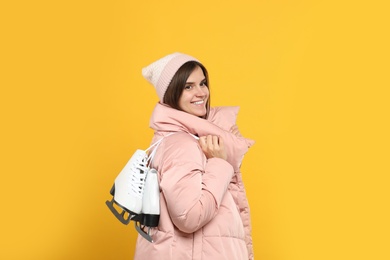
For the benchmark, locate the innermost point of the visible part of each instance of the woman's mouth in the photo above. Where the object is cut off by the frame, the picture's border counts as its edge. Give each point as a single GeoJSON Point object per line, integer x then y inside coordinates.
{"type": "Point", "coordinates": [198, 102]}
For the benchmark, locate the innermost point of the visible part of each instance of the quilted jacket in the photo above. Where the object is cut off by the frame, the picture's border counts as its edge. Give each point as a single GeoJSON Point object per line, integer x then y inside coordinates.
{"type": "Point", "coordinates": [204, 212]}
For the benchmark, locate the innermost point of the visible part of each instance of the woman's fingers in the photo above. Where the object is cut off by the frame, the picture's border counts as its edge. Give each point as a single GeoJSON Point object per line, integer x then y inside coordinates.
{"type": "Point", "coordinates": [203, 141]}
{"type": "Point", "coordinates": [212, 146]}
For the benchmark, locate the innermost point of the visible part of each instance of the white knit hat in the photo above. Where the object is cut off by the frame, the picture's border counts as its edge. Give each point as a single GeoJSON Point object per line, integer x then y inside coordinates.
{"type": "Point", "coordinates": [161, 72]}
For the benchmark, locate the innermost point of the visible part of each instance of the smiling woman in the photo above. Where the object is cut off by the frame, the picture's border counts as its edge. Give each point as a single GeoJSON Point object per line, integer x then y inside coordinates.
{"type": "Point", "coordinates": [192, 77]}
{"type": "Point", "coordinates": [204, 212]}
{"type": "Point", "coordinates": [194, 97]}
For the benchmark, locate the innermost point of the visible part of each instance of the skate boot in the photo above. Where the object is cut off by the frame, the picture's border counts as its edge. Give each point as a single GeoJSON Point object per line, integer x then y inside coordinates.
{"type": "Point", "coordinates": [128, 188]}
{"type": "Point", "coordinates": [150, 206]}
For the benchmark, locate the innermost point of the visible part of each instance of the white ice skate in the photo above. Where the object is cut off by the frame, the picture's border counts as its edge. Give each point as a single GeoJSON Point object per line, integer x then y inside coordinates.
{"type": "Point", "coordinates": [136, 193]}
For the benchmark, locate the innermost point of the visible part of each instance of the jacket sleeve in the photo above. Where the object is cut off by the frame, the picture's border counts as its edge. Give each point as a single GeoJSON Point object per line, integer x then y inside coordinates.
{"type": "Point", "coordinates": [193, 187]}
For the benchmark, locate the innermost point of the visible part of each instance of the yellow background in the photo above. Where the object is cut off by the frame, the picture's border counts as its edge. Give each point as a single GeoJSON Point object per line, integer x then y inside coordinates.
{"type": "Point", "coordinates": [312, 81]}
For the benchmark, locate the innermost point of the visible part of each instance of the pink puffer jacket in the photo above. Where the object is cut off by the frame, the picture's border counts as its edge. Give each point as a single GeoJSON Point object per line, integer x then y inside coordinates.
{"type": "Point", "coordinates": [204, 212]}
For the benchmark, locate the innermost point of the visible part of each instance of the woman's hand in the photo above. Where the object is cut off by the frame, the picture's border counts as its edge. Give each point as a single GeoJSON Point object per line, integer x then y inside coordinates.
{"type": "Point", "coordinates": [213, 147]}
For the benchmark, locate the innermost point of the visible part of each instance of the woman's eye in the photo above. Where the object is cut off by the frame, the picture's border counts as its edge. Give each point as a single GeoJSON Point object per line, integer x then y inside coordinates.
{"type": "Point", "coordinates": [203, 84]}
{"type": "Point", "coordinates": [188, 87]}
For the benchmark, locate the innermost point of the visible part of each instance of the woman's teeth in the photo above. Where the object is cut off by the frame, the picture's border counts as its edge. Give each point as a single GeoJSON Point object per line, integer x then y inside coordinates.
{"type": "Point", "coordinates": [198, 102]}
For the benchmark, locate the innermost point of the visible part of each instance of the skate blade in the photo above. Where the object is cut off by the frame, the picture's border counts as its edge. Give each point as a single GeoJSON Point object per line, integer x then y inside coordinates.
{"type": "Point", "coordinates": [143, 233]}
{"type": "Point", "coordinates": [124, 217]}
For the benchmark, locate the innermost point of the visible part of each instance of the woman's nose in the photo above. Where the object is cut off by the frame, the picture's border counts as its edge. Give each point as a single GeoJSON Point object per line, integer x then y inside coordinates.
{"type": "Point", "coordinates": [200, 91]}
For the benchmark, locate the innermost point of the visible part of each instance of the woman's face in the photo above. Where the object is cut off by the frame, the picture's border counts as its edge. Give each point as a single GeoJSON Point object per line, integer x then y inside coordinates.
{"type": "Point", "coordinates": [193, 100]}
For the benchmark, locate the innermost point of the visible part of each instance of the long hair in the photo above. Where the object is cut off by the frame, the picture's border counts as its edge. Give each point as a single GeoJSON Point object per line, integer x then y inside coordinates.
{"type": "Point", "coordinates": [178, 82]}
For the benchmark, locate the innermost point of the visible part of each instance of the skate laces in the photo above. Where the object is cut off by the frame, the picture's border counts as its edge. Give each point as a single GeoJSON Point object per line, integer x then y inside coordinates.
{"type": "Point", "coordinates": [137, 177]}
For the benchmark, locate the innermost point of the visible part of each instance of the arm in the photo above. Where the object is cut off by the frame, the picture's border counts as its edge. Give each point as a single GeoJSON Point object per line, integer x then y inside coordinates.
{"type": "Point", "coordinates": [193, 187]}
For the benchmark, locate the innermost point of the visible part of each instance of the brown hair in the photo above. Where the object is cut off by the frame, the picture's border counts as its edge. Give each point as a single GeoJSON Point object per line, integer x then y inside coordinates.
{"type": "Point", "coordinates": [178, 82]}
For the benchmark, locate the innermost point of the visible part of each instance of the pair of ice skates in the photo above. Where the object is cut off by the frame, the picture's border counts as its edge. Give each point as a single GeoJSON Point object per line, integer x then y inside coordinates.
{"type": "Point", "coordinates": [137, 194]}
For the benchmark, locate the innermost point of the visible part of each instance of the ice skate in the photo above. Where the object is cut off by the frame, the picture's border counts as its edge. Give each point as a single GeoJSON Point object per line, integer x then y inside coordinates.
{"type": "Point", "coordinates": [136, 193]}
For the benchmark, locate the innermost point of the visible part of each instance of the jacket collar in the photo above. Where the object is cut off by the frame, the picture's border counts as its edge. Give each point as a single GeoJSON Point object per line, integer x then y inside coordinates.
{"type": "Point", "coordinates": [220, 120]}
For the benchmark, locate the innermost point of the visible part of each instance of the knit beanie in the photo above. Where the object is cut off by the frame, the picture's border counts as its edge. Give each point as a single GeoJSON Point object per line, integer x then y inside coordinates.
{"type": "Point", "coordinates": [161, 72]}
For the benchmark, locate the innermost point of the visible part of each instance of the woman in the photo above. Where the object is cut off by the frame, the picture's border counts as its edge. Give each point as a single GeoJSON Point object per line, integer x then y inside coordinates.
{"type": "Point", "coordinates": [204, 213]}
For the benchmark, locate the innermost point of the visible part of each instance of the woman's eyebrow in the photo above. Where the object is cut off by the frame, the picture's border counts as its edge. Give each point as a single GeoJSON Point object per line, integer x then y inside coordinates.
{"type": "Point", "coordinates": [194, 82]}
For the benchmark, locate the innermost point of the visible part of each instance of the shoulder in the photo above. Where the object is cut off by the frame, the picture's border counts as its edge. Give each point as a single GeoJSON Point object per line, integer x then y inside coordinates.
{"type": "Point", "coordinates": [180, 146]}
{"type": "Point", "coordinates": [179, 149]}
{"type": "Point", "coordinates": [182, 136]}
{"type": "Point", "coordinates": [180, 140]}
